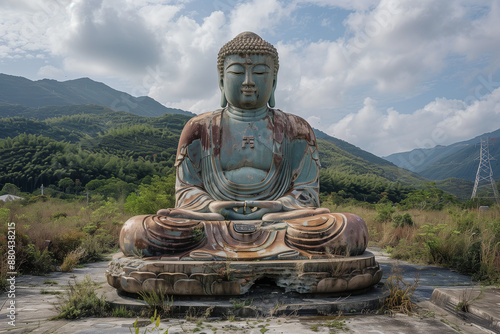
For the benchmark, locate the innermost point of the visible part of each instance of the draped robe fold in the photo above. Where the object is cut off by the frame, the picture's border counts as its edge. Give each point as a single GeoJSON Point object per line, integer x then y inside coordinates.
{"type": "Point", "coordinates": [293, 178]}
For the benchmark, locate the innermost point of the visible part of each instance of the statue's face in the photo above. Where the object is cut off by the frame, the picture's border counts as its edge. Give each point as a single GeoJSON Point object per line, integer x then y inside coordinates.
{"type": "Point", "coordinates": [248, 81]}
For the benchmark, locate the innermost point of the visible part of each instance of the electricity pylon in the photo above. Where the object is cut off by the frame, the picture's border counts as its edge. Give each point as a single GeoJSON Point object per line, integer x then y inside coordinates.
{"type": "Point", "coordinates": [484, 171]}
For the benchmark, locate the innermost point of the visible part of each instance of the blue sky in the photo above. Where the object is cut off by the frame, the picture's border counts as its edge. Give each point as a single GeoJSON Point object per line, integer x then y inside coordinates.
{"type": "Point", "coordinates": [387, 76]}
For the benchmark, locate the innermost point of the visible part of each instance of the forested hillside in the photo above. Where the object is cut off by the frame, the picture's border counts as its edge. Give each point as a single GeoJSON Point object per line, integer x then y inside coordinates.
{"type": "Point", "coordinates": [70, 149]}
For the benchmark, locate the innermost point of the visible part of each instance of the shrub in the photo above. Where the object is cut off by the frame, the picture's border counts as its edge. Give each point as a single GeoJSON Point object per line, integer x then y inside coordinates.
{"type": "Point", "coordinates": [463, 219]}
{"type": "Point", "coordinates": [160, 194]}
{"type": "Point", "coordinates": [38, 261]}
{"type": "Point", "coordinates": [409, 251]}
{"type": "Point", "coordinates": [94, 249]}
{"type": "Point", "coordinates": [4, 216]}
{"type": "Point", "coordinates": [468, 258]}
{"type": "Point", "coordinates": [430, 198]}
{"type": "Point", "coordinates": [58, 215]}
{"type": "Point", "coordinates": [384, 212]}
{"type": "Point", "coordinates": [72, 259]}
{"type": "Point", "coordinates": [123, 312]}
{"type": "Point", "coordinates": [11, 189]}
{"type": "Point", "coordinates": [29, 258]}
{"type": "Point", "coordinates": [81, 301]}
{"type": "Point", "coordinates": [65, 243]}
{"type": "Point", "coordinates": [430, 237]}
{"type": "Point", "coordinates": [90, 228]}
{"type": "Point", "coordinates": [402, 220]}
{"type": "Point", "coordinates": [38, 198]}
{"type": "Point", "coordinates": [107, 211]}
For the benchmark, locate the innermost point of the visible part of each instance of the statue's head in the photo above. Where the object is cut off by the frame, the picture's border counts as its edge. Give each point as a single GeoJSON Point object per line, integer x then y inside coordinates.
{"type": "Point", "coordinates": [248, 68]}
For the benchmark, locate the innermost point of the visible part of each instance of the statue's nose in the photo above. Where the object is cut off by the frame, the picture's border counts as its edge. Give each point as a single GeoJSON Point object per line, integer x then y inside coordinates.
{"type": "Point", "coordinates": [248, 79]}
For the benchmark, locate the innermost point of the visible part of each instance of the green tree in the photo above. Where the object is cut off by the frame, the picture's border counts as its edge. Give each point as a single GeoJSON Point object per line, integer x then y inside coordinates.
{"type": "Point", "coordinates": [430, 198]}
{"type": "Point", "coordinates": [11, 189]}
{"type": "Point", "coordinates": [66, 184]}
{"type": "Point", "coordinates": [160, 194]}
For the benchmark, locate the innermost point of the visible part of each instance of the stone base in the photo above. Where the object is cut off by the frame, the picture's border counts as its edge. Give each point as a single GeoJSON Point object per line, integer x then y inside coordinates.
{"type": "Point", "coordinates": [263, 300]}
{"type": "Point", "coordinates": [342, 275]}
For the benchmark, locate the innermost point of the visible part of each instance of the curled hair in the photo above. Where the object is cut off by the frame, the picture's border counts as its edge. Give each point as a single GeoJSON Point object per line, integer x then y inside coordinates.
{"type": "Point", "coordinates": [247, 43]}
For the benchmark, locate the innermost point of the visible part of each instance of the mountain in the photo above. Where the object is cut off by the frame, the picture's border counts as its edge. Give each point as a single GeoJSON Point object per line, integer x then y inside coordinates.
{"type": "Point", "coordinates": [458, 187]}
{"type": "Point", "coordinates": [21, 91]}
{"type": "Point", "coordinates": [354, 150]}
{"type": "Point", "coordinates": [91, 142]}
{"type": "Point", "coordinates": [459, 160]}
{"type": "Point", "coordinates": [352, 159]}
{"type": "Point", "coordinates": [80, 123]}
{"type": "Point", "coordinates": [93, 123]}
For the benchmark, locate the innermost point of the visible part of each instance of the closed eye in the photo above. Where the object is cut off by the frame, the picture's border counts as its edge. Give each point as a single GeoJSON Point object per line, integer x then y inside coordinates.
{"type": "Point", "coordinates": [236, 69]}
{"type": "Point", "coordinates": [260, 69]}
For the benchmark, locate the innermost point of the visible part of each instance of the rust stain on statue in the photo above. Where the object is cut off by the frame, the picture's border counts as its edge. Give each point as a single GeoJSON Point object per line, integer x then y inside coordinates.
{"type": "Point", "coordinates": [196, 128]}
{"type": "Point", "coordinates": [216, 136]}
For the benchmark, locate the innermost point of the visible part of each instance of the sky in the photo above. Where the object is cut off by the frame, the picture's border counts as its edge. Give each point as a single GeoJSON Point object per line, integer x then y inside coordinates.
{"type": "Point", "coordinates": [387, 76]}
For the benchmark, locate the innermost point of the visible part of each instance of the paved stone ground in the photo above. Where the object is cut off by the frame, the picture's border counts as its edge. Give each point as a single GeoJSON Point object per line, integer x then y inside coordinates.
{"type": "Point", "coordinates": [34, 309]}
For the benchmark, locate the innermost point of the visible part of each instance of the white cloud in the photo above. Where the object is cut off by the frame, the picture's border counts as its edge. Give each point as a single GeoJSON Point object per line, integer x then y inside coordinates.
{"type": "Point", "coordinates": [189, 74]}
{"type": "Point", "coordinates": [106, 37]}
{"type": "Point", "coordinates": [390, 50]}
{"type": "Point", "coordinates": [399, 45]}
{"type": "Point", "coordinates": [50, 71]}
{"type": "Point", "coordinates": [441, 122]}
{"type": "Point", "coordinates": [345, 4]}
{"type": "Point", "coordinates": [258, 16]}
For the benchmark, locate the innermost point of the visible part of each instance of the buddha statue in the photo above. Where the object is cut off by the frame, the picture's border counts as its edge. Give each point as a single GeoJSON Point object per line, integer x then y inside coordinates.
{"type": "Point", "coordinates": [247, 185]}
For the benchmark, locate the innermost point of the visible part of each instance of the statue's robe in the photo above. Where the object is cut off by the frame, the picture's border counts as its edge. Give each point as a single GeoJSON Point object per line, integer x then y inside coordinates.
{"type": "Point", "coordinates": [292, 178]}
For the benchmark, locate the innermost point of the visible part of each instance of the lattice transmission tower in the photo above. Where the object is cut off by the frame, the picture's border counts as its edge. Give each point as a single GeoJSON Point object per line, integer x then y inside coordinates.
{"type": "Point", "coordinates": [484, 172]}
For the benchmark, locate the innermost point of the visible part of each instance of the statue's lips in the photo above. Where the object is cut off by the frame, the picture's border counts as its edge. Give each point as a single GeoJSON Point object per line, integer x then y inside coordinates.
{"type": "Point", "coordinates": [248, 92]}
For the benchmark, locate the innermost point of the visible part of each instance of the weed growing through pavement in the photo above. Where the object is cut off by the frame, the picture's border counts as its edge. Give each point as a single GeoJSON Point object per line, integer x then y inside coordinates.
{"type": "Point", "coordinates": [158, 303]}
{"type": "Point", "coordinates": [123, 312]}
{"type": "Point", "coordinates": [238, 303]}
{"type": "Point", "coordinates": [49, 292]}
{"type": "Point", "coordinates": [276, 308]}
{"type": "Point", "coordinates": [400, 293]}
{"type": "Point", "coordinates": [466, 299]}
{"type": "Point", "coordinates": [155, 319]}
{"type": "Point", "coordinates": [81, 301]}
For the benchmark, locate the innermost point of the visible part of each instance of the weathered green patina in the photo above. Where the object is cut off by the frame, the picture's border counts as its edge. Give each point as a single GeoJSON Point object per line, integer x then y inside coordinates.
{"type": "Point", "coordinates": [247, 189]}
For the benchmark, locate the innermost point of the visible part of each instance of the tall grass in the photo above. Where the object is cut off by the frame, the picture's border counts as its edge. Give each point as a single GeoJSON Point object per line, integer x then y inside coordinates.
{"type": "Point", "coordinates": [50, 231]}
{"type": "Point", "coordinates": [465, 240]}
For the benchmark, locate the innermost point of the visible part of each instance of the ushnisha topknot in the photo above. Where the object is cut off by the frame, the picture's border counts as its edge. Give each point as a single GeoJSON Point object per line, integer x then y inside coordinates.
{"type": "Point", "coordinates": [247, 43]}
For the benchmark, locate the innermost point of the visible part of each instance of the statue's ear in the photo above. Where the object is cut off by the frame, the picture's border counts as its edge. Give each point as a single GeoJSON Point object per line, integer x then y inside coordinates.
{"type": "Point", "coordinates": [223, 100]}
{"type": "Point", "coordinates": [272, 101]}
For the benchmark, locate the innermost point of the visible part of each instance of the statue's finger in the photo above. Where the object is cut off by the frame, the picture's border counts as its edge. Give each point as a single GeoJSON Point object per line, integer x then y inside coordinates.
{"type": "Point", "coordinates": [164, 212]}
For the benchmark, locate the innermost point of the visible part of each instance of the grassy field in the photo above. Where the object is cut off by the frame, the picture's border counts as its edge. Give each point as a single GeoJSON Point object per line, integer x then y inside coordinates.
{"type": "Point", "coordinates": [467, 240]}
{"type": "Point", "coordinates": [55, 234]}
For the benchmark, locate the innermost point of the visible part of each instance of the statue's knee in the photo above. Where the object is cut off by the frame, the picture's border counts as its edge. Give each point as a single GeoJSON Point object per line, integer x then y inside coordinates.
{"type": "Point", "coordinates": [133, 235]}
{"type": "Point", "coordinates": [355, 233]}
{"type": "Point", "coordinates": [153, 235]}
{"type": "Point", "coordinates": [334, 233]}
